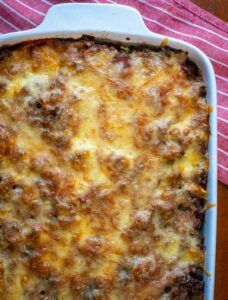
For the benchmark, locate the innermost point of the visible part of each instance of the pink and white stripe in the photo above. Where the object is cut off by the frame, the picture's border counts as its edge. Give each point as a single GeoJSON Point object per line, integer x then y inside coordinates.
{"type": "Point", "coordinates": [176, 18]}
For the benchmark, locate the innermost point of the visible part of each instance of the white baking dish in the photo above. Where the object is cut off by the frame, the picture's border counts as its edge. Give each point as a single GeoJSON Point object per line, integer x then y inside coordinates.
{"type": "Point", "coordinates": [121, 23]}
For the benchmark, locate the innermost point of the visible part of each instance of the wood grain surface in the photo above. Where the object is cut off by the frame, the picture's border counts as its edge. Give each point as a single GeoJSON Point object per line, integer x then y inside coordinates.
{"type": "Point", "coordinates": [221, 282]}
{"type": "Point", "coordinates": [220, 9]}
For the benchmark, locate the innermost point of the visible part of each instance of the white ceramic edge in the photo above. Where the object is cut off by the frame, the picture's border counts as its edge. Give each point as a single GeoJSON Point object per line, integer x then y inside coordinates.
{"type": "Point", "coordinates": [116, 22]}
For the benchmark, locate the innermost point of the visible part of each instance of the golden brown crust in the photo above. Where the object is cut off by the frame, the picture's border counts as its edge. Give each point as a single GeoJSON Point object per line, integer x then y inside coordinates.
{"type": "Point", "coordinates": [103, 170]}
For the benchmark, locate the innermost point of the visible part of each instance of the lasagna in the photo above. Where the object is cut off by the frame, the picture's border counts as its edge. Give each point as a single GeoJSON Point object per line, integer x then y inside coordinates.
{"type": "Point", "coordinates": [103, 172]}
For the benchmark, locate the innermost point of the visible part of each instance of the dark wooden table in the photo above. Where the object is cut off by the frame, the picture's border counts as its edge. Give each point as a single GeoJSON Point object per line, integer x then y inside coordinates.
{"type": "Point", "coordinates": [220, 9]}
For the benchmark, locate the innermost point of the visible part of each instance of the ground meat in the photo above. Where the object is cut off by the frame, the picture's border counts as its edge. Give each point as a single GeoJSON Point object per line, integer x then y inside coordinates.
{"type": "Point", "coordinates": [141, 219]}
{"type": "Point", "coordinates": [172, 151]}
{"type": "Point", "coordinates": [144, 268]}
{"type": "Point", "coordinates": [116, 165]}
{"type": "Point", "coordinates": [105, 132]}
{"type": "Point", "coordinates": [8, 133]}
{"type": "Point", "coordinates": [64, 212]}
{"type": "Point", "coordinates": [7, 184]}
{"type": "Point", "coordinates": [57, 122]}
{"type": "Point", "coordinates": [191, 70]}
{"type": "Point", "coordinates": [5, 53]}
{"type": "Point", "coordinates": [152, 135]}
{"type": "Point", "coordinates": [96, 289]}
{"type": "Point", "coordinates": [200, 120]}
{"type": "Point", "coordinates": [203, 91]}
{"type": "Point", "coordinates": [203, 179]}
{"type": "Point", "coordinates": [96, 200]}
{"type": "Point", "coordinates": [124, 277]}
{"type": "Point", "coordinates": [12, 232]}
{"type": "Point", "coordinates": [123, 60]}
{"type": "Point", "coordinates": [197, 205]}
{"type": "Point", "coordinates": [42, 290]}
{"type": "Point", "coordinates": [146, 135]}
{"type": "Point", "coordinates": [189, 286]}
{"type": "Point", "coordinates": [78, 160]}
{"type": "Point", "coordinates": [94, 246]}
{"type": "Point", "coordinates": [3, 85]}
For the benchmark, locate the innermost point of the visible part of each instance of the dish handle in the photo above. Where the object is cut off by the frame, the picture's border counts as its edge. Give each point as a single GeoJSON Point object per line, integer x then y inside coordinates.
{"type": "Point", "coordinates": [94, 17]}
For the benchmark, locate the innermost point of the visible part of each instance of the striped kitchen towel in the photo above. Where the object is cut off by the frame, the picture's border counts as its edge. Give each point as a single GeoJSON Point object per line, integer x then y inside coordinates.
{"type": "Point", "coordinates": [176, 18]}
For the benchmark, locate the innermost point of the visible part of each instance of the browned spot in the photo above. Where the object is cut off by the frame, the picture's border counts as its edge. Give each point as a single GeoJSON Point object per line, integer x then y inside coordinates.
{"type": "Point", "coordinates": [94, 246]}
{"type": "Point", "coordinates": [117, 166]}
{"type": "Point", "coordinates": [78, 160]}
{"type": "Point", "coordinates": [104, 127]}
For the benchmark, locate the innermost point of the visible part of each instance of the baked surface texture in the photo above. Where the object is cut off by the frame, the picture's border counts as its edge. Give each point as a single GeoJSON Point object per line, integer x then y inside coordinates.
{"type": "Point", "coordinates": [103, 171]}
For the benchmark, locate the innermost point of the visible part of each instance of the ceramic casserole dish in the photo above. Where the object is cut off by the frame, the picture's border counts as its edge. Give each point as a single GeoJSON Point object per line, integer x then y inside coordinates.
{"type": "Point", "coordinates": [125, 25]}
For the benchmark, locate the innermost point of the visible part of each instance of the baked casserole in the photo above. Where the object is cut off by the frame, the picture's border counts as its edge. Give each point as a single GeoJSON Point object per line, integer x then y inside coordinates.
{"type": "Point", "coordinates": [103, 171]}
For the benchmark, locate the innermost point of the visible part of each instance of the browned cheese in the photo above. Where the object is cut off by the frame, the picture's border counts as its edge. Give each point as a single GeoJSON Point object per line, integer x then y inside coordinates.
{"type": "Point", "coordinates": [103, 171]}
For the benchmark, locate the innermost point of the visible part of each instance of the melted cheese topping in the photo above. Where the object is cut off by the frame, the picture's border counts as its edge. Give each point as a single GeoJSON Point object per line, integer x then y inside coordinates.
{"type": "Point", "coordinates": [103, 162]}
